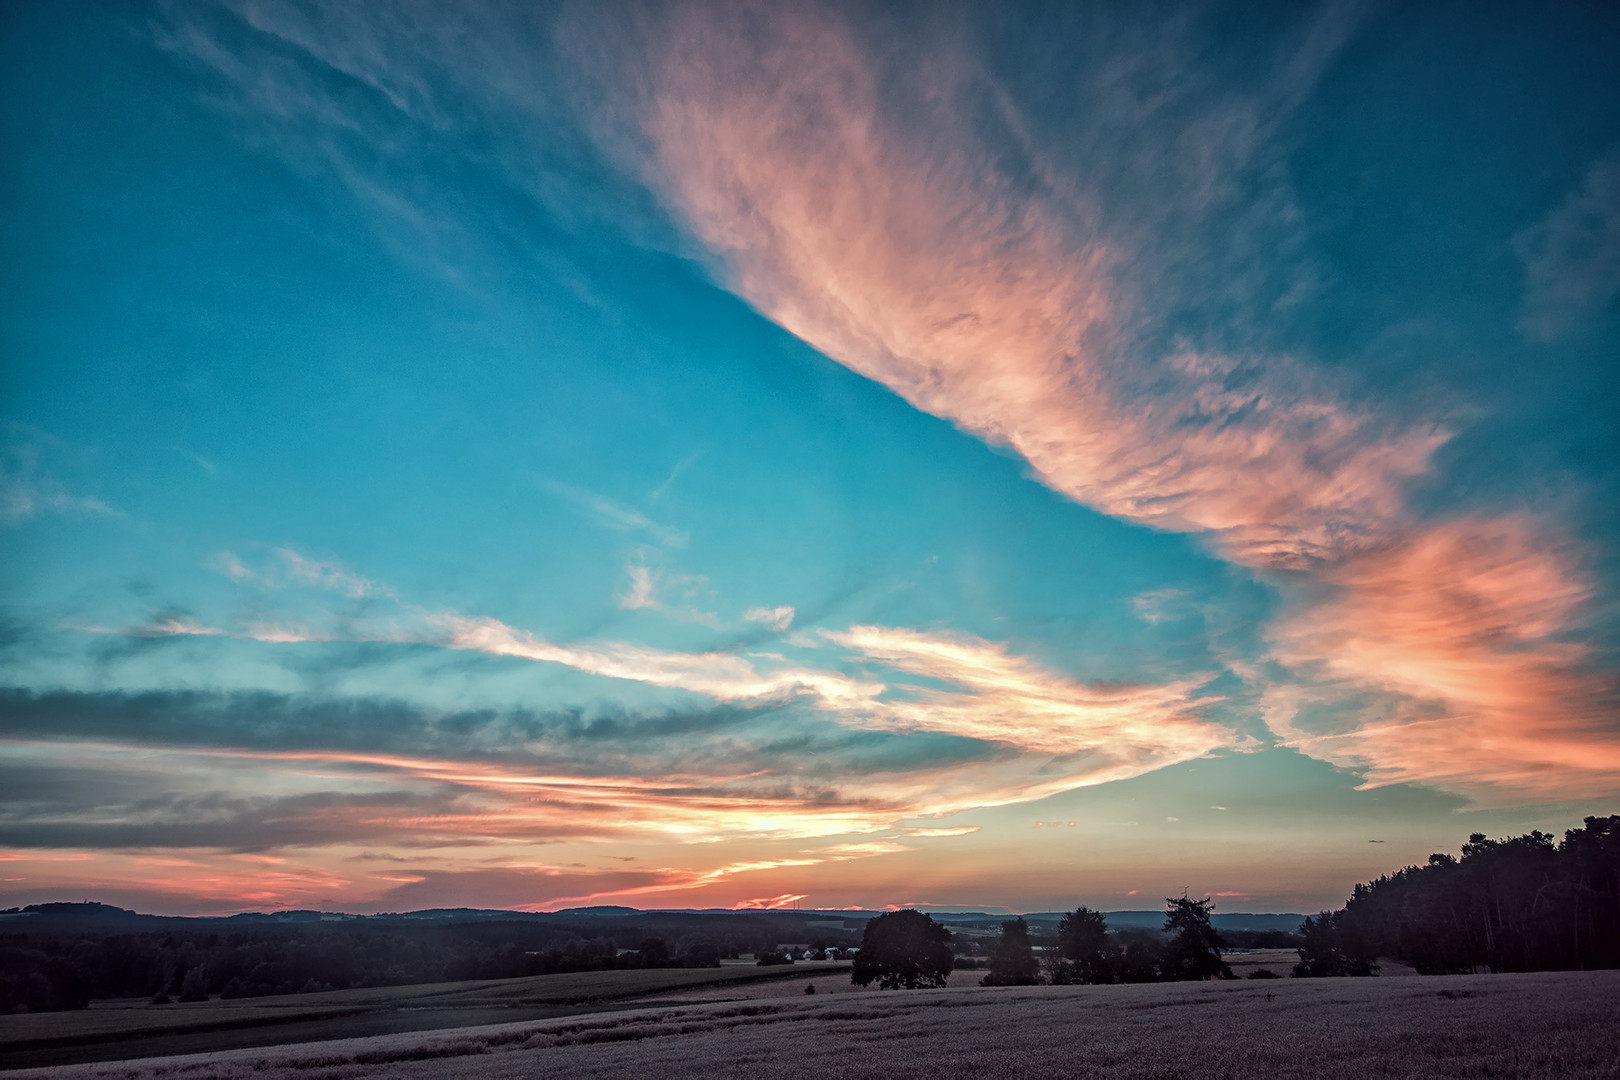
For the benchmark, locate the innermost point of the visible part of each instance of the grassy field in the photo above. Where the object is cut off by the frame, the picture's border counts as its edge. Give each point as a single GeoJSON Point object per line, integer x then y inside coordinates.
{"type": "Point", "coordinates": [1536, 1025]}
{"type": "Point", "coordinates": [132, 1029]}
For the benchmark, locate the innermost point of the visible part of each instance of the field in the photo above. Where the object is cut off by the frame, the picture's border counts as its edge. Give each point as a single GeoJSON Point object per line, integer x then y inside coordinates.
{"type": "Point", "coordinates": [133, 1029]}
{"type": "Point", "coordinates": [1535, 1025]}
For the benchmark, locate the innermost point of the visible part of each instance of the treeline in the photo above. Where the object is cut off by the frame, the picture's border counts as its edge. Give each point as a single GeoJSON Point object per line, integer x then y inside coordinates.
{"type": "Point", "coordinates": [1085, 951]}
{"type": "Point", "coordinates": [43, 970]}
{"type": "Point", "coordinates": [1521, 904]}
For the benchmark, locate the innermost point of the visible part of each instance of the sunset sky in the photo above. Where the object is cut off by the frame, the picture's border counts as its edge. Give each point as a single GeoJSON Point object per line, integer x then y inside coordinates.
{"type": "Point", "coordinates": [706, 454]}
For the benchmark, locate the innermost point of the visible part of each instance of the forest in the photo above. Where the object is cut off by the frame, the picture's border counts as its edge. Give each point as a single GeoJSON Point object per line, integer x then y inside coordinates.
{"type": "Point", "coordinates": [1520, 904]}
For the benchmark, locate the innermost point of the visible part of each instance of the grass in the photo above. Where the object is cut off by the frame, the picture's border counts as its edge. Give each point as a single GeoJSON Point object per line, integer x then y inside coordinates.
{"type": "Point", "coordinates": [1545, 1024]}
{"type": "Point", "coordinates": [129, 1029]}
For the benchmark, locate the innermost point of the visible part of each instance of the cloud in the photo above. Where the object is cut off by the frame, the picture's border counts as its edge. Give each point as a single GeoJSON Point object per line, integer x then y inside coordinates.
{"type": "Point", "coordinates": [228, 564]}
{"type": "Point", "coordinates": [280, 633]}
{"type": "Point", "coordinates": [854, 205]}
{"type": "Point", "coordinates": [847, 754]}
{"type": "Point", "coordinates": [955, 830]}
{"type": "Point", "coordinates": [551, 888]}
{"type": "Point", "coordinates": [718, 675]}
{"type": "Point", "coordinates": [1081, 283]}
{"type": "Point", "coordinates": [220, 822]}
{"type": "Point", "coordinates": [910, 223]}
{"type": "Point", "coordinates": [1009, 699]}
{"type": "Point", "coordinates": [331, 576]}
{"type": "Point", "coordinates": [27, 492]}
{"type": "Point", "coordinates": [1572, 257]}
{"type": "Point", "coordinates": [175, 624]}
{"type": "Point", "coordinates": [638, 596]}
{"type": "Point", "coordinates": [1459, 636]}
{"type": "Point", "coordinates": [844, 852]}
{"type": "Point", "coordinates": [615, 515]}
{"type": "Point", "coordinates": [648, 588]}
{"type": "Point", "coordinates": [766, 903]}
{"type": "Point", "coordinates": [777, 618]}
{"type": "Point", "coordinates": [1095, 732]}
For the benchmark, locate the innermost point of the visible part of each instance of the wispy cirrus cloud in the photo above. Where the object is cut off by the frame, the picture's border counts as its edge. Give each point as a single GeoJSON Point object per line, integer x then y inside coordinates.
{"type": "Point", "coordinates": [288, 567]}
{"type": "Point", "coordinates": [860, 212]}
{"type": "Point", "coordinates": [865, 209]}
{"type": "Point", "coordinates": [777, 618]}
{"type": "Point", "coordinates": [28, 491]}
{"type": "Point", "coordinates": [613, 514]}
{"type": "Point", "coordinates": [666, 591]}
{"type": "Point", "coordinates": [1572, 257]}
{"type": "Point", "coordinates": [1010, 699]}
{"type": "Point", "coordinates": [331, 576]}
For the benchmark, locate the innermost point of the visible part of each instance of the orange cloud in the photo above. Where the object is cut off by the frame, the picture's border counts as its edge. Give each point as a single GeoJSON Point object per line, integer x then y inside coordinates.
{"type": "Point", "coordinates": [889, 240]}
{"type": "Point", "coordinates": [852, 203]}
{"type": "Point", "coordinates": [1458, 633]}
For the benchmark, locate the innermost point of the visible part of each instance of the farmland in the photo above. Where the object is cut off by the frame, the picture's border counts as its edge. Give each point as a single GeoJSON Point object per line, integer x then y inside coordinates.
{"type": "Point", "coordinates": [130, 1029]}
{"type": "Point", "coordinates": [1540, 1024]}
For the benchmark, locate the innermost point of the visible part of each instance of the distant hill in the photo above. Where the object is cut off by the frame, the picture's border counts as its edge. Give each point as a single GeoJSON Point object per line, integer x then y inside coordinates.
{"type": "Point", "coordinates": [106, 915]}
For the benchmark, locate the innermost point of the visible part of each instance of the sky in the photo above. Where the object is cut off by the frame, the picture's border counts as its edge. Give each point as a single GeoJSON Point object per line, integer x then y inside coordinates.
{"type": "Point", "coordinates": [997, 457]}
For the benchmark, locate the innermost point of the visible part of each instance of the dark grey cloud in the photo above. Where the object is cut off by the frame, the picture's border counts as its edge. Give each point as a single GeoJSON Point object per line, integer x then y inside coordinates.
{"type": "Point", "coordinates": [720, 740]}
{"type": "Point", "coordinates": [267, 720]}
{"type": "Point", "coordinates": [215, 819]}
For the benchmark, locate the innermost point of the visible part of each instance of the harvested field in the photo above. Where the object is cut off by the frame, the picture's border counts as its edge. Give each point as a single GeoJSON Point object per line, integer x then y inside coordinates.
{"type": "Point", "coordinates": [131, 1029]}
{"type": "Point", "coordinates": [1545, 1024]}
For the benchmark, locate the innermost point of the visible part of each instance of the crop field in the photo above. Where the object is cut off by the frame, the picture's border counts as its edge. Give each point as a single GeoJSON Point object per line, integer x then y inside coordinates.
{"type": "Point", "coordinates": [132, 1029]}
{"type": "Point", "coordinates": [1534, 1025]}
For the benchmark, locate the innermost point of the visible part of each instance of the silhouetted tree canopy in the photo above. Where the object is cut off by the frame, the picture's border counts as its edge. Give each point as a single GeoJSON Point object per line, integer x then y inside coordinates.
{"type": "Point", "coordinates": [1012, 960]}
{"type": "Point", "coordinates": [1084, 953]}
{"type": "Point", "coordinates": [1333, 945]}
{"type": "Point", "coordinates": [903, 950]}
{"type": "Point", "coordinates": [1519, 904]}
{"type": "Point", "coordinates": [1194, 948]}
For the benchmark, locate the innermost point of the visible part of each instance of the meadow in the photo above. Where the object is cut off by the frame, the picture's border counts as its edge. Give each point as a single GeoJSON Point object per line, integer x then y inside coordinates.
{"type": "Point", "coordinates": [1563, 1024]}
{"type": "Point", "coordinates": [114, 1030]}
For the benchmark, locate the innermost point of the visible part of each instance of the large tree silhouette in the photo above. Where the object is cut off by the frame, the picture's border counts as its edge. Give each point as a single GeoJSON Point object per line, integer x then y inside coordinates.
{"type": "Point", "coordinates": [903, 950]}
{"type": "Point", "coordinates": [1084, 954]}
{"type": "Point", "coordinates": [1194, 948]}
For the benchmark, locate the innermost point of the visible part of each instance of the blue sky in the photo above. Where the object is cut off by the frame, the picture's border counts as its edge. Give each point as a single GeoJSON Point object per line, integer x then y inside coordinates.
{"type": "Point", "coordinates": [702, 455]}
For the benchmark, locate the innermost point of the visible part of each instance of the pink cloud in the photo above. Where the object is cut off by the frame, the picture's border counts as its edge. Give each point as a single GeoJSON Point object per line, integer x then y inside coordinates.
{"type": "Point", "coordinates": [894, 243]}
{"type": "Point", "coordinates": [850, 201]}
{"type": "Point", "coordinates": [1458, 633]}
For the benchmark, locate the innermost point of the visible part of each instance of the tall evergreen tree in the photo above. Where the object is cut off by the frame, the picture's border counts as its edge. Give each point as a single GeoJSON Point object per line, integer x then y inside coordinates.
{"type": "Point", "coordinates": [1194, 948]}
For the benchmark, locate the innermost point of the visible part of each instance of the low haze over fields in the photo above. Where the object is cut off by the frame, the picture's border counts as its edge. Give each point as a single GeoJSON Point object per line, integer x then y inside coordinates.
{"type": "Point", "coordinates": [705, 454]}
